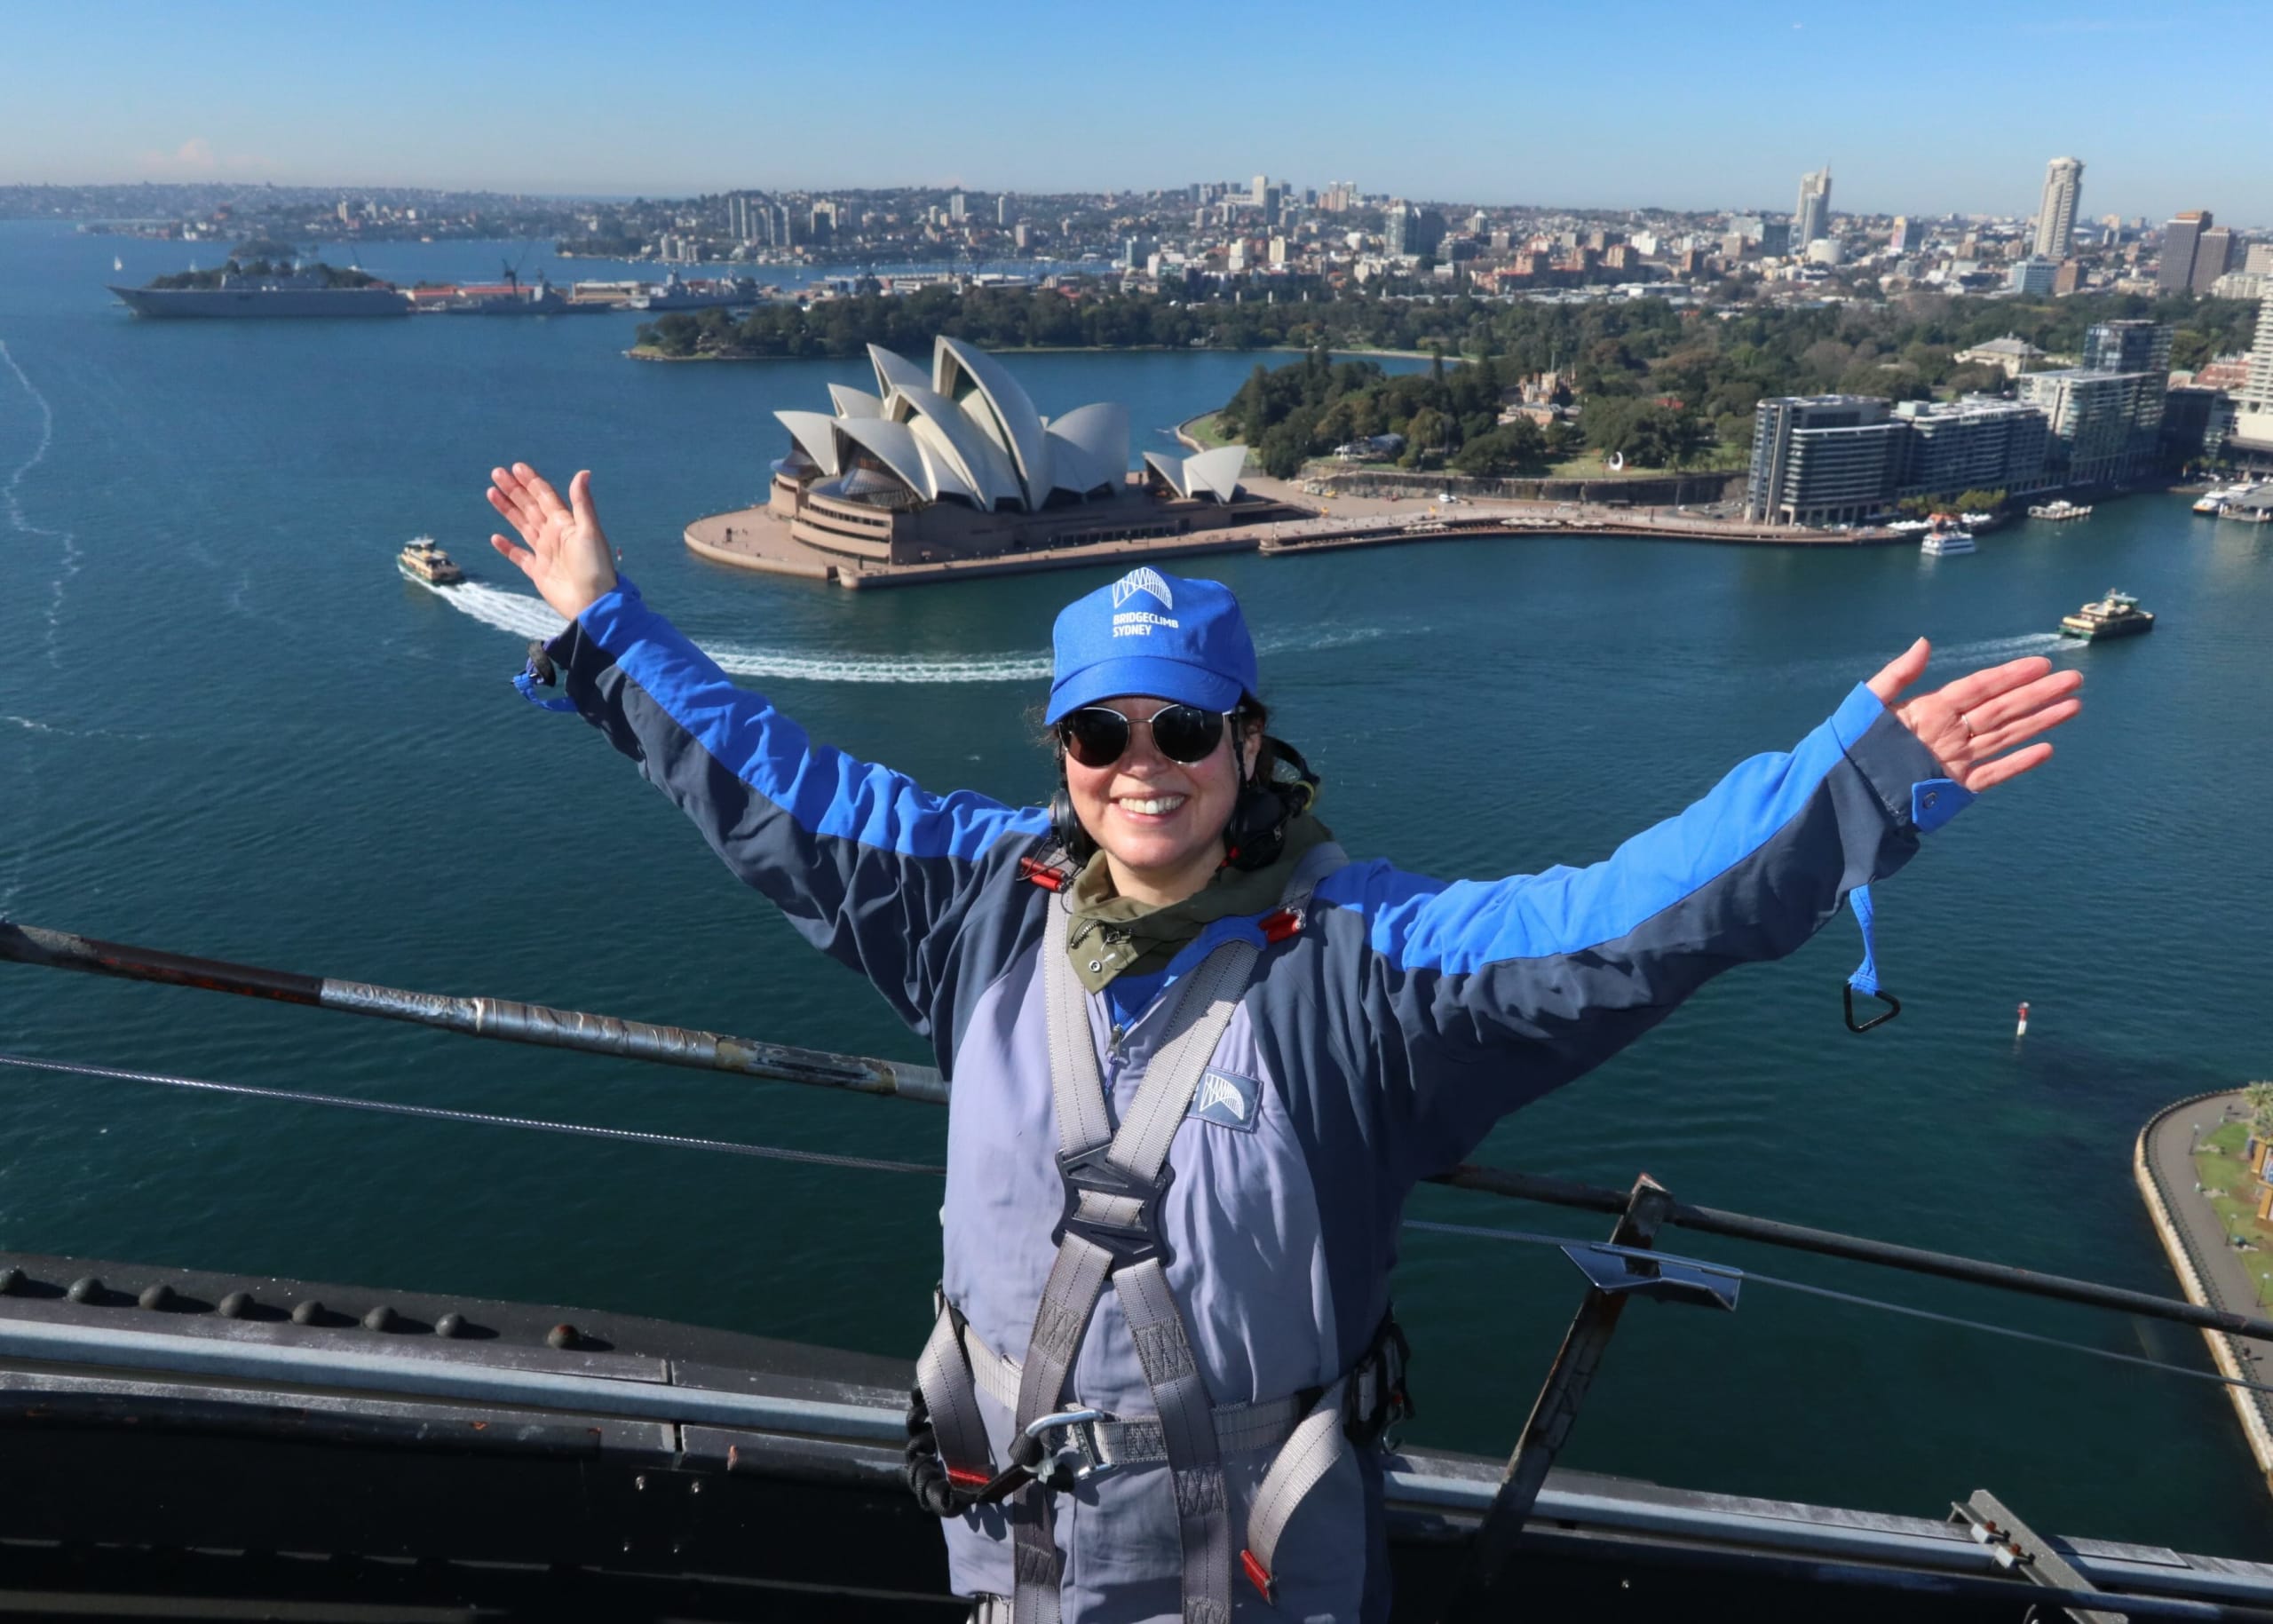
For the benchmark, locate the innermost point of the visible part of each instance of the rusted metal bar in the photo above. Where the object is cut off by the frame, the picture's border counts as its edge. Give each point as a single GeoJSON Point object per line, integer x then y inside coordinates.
{"type": "Point", "coordinates": [489, 1018]}
{"type": "Point", "coordinates": [1556, 1410]}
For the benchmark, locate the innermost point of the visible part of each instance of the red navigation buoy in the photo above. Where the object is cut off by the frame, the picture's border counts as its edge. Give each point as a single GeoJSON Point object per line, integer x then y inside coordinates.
{"type": "Point", "coordinates": [2021, 1031]}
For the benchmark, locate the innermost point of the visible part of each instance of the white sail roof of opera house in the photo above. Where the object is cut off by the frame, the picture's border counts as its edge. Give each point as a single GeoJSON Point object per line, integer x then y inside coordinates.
{"type": "Point", "coordinates": [968, 433]}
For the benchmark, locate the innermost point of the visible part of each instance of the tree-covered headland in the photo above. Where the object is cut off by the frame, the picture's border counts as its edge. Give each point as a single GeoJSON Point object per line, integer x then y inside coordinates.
{"type": "Point", "coordinates": [1669, 387]}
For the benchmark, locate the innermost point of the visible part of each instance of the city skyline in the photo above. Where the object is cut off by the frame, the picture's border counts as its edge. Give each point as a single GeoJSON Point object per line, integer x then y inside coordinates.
{"type": "Point", "coordinates": [565, 99]}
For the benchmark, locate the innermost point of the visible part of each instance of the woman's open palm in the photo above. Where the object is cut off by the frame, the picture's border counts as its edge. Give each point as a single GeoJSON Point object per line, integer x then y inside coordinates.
{"type": "Point", "coordinates": [565, 554]}
{"type": "Point", "coordinates": [1972, 724]}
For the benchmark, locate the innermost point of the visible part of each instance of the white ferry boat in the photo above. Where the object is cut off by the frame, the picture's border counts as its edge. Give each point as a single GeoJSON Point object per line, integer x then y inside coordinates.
{"type": "Point", "coordinates": [1945, 538]}
{"type": "Point", "coordinates": [2212, 503]}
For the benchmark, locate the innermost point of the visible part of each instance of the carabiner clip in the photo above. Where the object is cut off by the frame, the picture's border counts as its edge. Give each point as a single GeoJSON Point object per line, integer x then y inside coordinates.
{"type": "Point", "coordinates": [1893, 1008]}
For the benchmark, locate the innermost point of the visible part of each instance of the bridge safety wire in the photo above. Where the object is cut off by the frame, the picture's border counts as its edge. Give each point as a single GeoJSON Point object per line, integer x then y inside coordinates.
{"type": "Point", "coordinates": [1577, 1249]}
{"type": "Point", "coordinates": [480, 1119]}
{"type": "Point", "coordinates": [1750, 1278]}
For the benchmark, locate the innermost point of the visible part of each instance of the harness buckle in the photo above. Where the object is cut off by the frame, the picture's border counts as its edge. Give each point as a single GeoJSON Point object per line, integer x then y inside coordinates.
{"type": "Point", "coordinates": [1079, 1458]}
{"type": "Point", "coordinates": [1376, 1402]}
{"type": "Point", "coordinates": [1133, 1240]}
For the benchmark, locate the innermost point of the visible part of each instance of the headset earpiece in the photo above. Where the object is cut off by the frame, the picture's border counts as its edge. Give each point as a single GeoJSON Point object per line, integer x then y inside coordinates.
{"type": "Point", "coordinates": [1257, 831]}
{"type": "Point", "coordinates": [1064, 826]}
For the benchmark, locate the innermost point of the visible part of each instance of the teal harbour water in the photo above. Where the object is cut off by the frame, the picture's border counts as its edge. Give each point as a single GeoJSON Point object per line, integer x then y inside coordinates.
{"type": "Point", "coordinates": [228, 727]}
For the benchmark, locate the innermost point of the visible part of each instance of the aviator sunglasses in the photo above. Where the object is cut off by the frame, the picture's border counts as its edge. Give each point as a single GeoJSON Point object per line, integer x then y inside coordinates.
{"type": "Point", "coordinates": [1097, 736]}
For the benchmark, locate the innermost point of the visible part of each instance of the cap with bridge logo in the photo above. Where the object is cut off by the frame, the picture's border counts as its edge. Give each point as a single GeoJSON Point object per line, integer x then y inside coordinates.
{"type": "Point", "coordinates": [1150, 633]}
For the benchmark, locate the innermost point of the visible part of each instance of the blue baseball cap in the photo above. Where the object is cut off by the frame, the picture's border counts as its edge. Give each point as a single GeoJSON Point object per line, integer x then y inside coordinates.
{"type": "Point", "coordinates": [1155, 634]}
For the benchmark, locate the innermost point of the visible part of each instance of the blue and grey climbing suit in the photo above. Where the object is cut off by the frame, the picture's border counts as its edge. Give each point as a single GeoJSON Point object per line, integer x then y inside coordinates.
{"type": "Point", "coordinates": [1249, 1258]}
{"type": "Point", "coordinates": [1110, 1233]}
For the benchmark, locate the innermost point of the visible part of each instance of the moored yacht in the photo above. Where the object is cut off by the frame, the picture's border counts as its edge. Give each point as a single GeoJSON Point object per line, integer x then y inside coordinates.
{"type": "Point", "coordinates": [1946, 538]}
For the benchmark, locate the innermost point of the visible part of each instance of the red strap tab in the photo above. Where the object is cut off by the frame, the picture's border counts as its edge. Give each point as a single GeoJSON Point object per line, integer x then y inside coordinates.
{"type": "Point", "coordinates": [1279, 926]}
{"type": "Point", "coordinates": [1259, 1576]}
{"type": "Point", "coordinates": [1042, 874]}
{"type": "Point", "coordinates": [970, 1480]}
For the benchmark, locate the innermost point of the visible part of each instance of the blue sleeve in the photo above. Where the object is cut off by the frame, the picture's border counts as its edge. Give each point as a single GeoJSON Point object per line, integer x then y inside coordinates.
{"type": "Point", "coordinates": [1482, 996]}
{"type": "Point", "coordinates": [868, 868]}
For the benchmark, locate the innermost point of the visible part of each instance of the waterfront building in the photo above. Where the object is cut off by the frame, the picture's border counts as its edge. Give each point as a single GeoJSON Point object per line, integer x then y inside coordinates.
{"type": "Point", "coordinates": [954, 462]}
{"type": "Point", "coordinates": [2253, 429]}
{"type": "Point", "coordinates": [2056, 215]}
{"type": "Point", "coordinates": [1812, 220]}
{"type": "Point", "coordinates": [2106, 426]}
{"type": "Point", "coordinates": [2214, 255]}
{"type": "Point", "coordinates": [2196, 423]}
{"type": "Point", "coordinates": [2176, 274]}
{"type": "Point", "coordinates": [1822, 459]}
{"type": "Point", "coordinates": [1978, 442]}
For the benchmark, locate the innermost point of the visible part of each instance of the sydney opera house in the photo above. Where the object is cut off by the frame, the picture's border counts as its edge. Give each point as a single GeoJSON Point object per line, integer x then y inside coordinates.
{"type": "Point", "coordinates": [955, 464]}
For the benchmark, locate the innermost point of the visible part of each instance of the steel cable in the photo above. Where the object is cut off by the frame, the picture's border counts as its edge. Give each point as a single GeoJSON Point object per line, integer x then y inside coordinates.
{"type": "Point", "coordinates": [482, 1119]}
{"type": "Point", "coordinates": [1534, 1238]}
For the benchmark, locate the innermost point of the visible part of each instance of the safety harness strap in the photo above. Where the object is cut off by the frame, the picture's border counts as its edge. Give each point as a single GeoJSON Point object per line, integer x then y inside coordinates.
{"type": "Point", "coordinates": [1319, 1441]}
{"type": "Point", "coordinates": [1114, 1179]}
{"type": "Point", "coordinates": [944, 1375]}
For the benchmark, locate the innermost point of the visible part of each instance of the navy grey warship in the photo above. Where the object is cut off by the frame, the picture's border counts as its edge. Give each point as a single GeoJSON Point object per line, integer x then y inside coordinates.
{"type": "Point", "coordinates": [675, 292]}
{"type": "Point", "coordinates": [303, 290]}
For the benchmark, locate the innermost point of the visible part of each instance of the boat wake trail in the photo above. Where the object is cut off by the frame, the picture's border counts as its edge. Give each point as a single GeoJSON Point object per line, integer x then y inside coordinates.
{"type": "Point", "coordinates": [11, 498]}
{"type": "Point", "coordinates": [1992, 651]}
{"type": "Point", "coordinates": [528, 618]}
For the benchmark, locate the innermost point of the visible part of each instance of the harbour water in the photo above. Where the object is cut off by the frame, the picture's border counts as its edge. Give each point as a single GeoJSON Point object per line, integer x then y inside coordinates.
{"type": "Point", "coordinates": [227, 726]}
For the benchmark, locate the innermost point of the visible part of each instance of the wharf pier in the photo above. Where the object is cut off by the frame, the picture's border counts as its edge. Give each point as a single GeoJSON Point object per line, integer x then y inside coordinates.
{"type": "Point", "coordinates": [2202, 1253]}
{"type": "Point", "coordinates": [755, 538]}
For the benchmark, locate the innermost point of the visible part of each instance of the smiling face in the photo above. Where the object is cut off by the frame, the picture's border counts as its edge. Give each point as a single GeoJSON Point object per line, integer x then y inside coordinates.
{"type": "Point", "coordinates": [1159, 823]}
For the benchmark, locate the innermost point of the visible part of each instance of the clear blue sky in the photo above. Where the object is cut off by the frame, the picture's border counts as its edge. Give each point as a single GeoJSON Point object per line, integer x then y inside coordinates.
{"type": "Point", "coordinates": [1921, 107]}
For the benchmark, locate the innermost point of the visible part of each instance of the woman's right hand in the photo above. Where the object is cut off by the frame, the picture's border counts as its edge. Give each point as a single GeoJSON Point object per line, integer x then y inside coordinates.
{"type": "Point", "coordinates": [565, 556]}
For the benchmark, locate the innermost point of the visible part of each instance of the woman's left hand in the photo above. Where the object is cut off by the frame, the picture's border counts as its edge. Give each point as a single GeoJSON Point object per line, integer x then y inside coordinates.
{"type": "Point", "coordinates": [1972, 723]}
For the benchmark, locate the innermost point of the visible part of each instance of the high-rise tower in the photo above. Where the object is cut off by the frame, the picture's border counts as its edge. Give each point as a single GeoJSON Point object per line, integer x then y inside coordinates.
{"type": "Point", "coordinates": [2179, 240]}
{"type": "Point", "coordinates": [2056, 215]}
{"type": "Point", "coordinates": [1812, 220]}
{"type": "Point", "coordinates": [2254, 426]}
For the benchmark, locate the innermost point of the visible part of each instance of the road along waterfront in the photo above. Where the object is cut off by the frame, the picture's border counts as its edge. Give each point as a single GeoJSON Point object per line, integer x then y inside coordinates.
{"type": "Point", "coordinates": [2202, 1252]}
